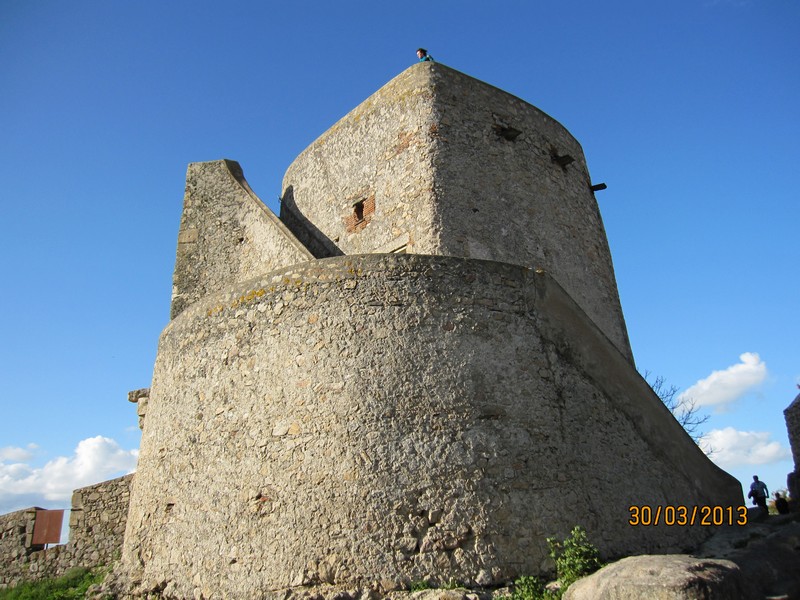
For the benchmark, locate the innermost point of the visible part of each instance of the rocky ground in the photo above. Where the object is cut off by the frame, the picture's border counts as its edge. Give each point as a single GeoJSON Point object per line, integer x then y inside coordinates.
{"type": "Point", "coordinates": [760, 560]}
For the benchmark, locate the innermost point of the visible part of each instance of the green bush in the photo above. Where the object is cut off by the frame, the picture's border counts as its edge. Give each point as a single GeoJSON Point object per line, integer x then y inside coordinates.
{"type": "Point", "coordinates": [418, 586]}
{"type": "Point", "coordinates": [531, 588]}
{"type": "Point", "coordinates": [575, 557]}
{"type": "Point", "coordinates": [70, 586]}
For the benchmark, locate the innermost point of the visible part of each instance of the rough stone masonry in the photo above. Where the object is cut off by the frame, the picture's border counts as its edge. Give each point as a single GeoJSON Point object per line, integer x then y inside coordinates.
{"type": "Point", "coordinates": [96, 527]}
{"type": "Point", "coordinates": [418, 372]}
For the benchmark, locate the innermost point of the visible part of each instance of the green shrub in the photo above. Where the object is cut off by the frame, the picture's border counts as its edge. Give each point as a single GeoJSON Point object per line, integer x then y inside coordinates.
{"type": "Point", "coordinates": [575, 557]}
{"type": "Point", "coordinates": [70, 586]}
{"type": "Point", "coordinates": [531, 588]}
{"type": "Point", "coordinates": [418, 586]}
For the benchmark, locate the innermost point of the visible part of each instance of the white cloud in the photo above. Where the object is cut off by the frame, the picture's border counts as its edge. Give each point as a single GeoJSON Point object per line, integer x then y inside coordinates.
{"type": "Point", "coordinates": [14, 454]}
{"type": "Point", "coordinates": [722, 387]}
{"type": "Point", "coordinates": [734, 448]}
{"type": "Point", "coordinates": [95, 459]}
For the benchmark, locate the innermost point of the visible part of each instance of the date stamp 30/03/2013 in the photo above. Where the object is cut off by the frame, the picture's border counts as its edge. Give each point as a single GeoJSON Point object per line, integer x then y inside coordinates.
{"type": "Point", "coordinates": [679, 515]}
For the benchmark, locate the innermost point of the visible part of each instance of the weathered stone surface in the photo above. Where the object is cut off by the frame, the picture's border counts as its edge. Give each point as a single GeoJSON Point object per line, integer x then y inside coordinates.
{"type": "Point", "coordinates": [428, 151]}
{"type": "Point", "coordinates": [670, 577]}
{"type": "Point", "coordinates": [341, 428]}
{"type": "Point", "coordinates": [792, 416]}
{"type": "Point", "coordinates": [266, 472]}
{"type": "Point", "coordinates": [767, 552]}
{"type": "Point", "coordinates": [136, 395]}
{"type": "Point", "coordinates": [378, 419]}
{"type": "Point", "coordinates": [97, 524]}
{"type": "Point", "coordinates": [140, 397]}
{"type": "Point", "coordinates": [226, 234]}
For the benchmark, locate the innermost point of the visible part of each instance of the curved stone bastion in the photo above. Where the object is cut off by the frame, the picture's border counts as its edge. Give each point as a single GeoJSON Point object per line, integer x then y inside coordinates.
{"type": "Point", "coordinates": [374, 420]}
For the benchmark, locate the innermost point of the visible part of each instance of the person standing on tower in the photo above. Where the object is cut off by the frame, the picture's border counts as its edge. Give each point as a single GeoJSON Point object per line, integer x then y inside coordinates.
{"type": "Point", "coordinates": [423, 55]}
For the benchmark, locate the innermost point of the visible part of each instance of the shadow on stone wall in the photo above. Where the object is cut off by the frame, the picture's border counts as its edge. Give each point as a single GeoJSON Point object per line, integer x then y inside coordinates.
{"type": "Point", "coordinates": [320, 245]}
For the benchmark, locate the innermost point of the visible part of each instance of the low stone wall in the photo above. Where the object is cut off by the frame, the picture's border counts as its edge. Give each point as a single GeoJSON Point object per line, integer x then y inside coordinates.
{"type": "Point", "coordinates": [97, 525]}
{"type": "Point", "coordinates": [16, 530]}
{"type": "Point", "coordinates": [97, 521]}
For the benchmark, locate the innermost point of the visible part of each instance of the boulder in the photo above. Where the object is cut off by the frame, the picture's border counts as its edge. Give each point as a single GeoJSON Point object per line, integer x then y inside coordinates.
{"type": "Point", "coordinates": [664, 577]}
{"type": "Point", "coordinates": [773, 562]}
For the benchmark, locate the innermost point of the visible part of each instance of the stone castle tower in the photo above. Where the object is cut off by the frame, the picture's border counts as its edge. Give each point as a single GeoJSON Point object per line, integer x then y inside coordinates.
{"type": "Point", "coordinates": [419, 371]}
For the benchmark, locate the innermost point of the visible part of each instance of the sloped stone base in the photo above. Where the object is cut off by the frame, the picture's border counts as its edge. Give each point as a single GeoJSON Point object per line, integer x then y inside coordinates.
{"type": "Point", "coordinates": [384, 419]}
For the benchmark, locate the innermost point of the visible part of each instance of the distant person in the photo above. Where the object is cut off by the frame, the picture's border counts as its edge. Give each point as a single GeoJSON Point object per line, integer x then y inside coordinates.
{"type": "Point", "coordinates": [423, 55]}
{"type": "Point", "coordinates": [781, 504]}
{"type": "Point", "coordinates": [759, 493]}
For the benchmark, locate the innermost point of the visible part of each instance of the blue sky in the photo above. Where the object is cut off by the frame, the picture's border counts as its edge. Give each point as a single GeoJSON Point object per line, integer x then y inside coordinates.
{"type": "Point", "coordinates": [686, 109]}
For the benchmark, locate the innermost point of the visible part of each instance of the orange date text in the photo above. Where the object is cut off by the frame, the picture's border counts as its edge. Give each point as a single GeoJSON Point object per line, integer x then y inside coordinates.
{"type": "Point", "coordinates": [669, 515]}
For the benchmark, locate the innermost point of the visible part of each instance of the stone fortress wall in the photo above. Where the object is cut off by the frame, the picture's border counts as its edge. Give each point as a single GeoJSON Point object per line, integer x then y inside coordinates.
{"type": "Point", "coordinates": [453, 166]}
{"type": "Point", "coordinates": [419, 372]}
{"type": "Point", "coordinates": [395, 418]}
{"type": "Point", "coordinates": [326, 409]}
{"type": "Point", "coordinates": [98, 515]}
{"type": "Point", "coordinates": [226, 234]}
